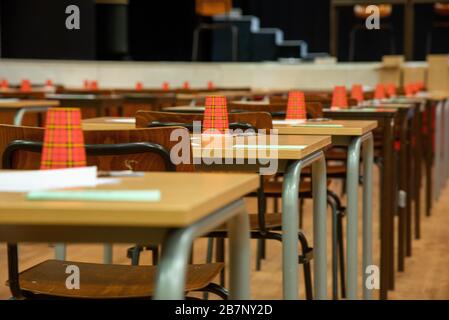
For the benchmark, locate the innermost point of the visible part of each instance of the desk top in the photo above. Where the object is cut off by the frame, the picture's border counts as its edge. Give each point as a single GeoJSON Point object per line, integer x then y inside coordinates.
{"type": "Point", "coordinates": [82, 96]}
{"type": "Point", "coordinates": [287, 147]}
{"type": "Point", "coordinates": [18, 103]}
{"type": "Point", "coordinates": [332, 127]}
{"type": "Point", "coordinates": [185, 198]}
{"type": "Point", "coordinates": [109, 123]}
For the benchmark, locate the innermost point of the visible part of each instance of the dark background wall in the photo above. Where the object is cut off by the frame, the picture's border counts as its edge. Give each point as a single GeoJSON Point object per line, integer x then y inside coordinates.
{"type": "Point", "coordinates": [162, 30]}
{"type": "Point", "coordinates": [36, 29]}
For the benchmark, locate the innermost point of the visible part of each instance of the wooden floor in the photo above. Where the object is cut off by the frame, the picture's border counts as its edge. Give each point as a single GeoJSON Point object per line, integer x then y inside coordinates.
{"type": "Point", "coordinates": [426, 275]}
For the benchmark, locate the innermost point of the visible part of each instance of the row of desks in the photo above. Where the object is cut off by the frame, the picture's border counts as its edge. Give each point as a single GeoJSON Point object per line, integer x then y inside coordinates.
{"type": "Point", "coordinates": [387, 118]}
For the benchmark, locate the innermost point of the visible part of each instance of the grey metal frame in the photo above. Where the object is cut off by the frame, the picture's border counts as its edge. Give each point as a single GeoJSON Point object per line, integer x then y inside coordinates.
{"type": "Point", "coordinates": [355, 144]}
{"type": "Point", "coordinates": [18, 117]}
{"type": "Point", "coordinates": [171, 273]}
{"type": "Point", "coordinates": [290, 209]}
{"type": "Point", "coordinates": [439, 138]}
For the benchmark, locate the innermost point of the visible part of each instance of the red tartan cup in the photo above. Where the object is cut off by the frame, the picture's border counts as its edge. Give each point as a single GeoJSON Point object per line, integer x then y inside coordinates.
{"type": "Point", "coordinates": [139, 86]}
{"type": "Point", "coordinates": [215, 115]}
{"type": "Point", "coordinates": [379, 93]}
{"type": "Point", "coordinates": [63, 139]}
{"type": "Point", "coordinates": [25, 86]}
{"type": "Point", "coordinates": [186, 85]}
{"type": "Point", "coordinates": [391, 90]}
{"type": "Point", "coordinates": [339, 98]}
{"type": "Point", "coordinates": [4, 84]}
{"type": "Point", "coordinates": [357, 93]}
{"type": "Point", "coordinates": [296, 106]}
{"type": "Point", "coordinates": [166, 86]}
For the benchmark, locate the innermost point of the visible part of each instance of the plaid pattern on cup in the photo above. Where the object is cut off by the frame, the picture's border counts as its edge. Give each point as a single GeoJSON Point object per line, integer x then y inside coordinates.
{"type": "Point", "coordinates": [339, 98]}
{"type": "Point", "coordinates": [357, 93]}
{"type": "Point", "coordinates": [63, 139]}
{"type": "Point", "coordinates": [296, 106]}
{"type": "Point", "coordinates": [380, 93]}
{"type": "Point", "coordinates": [391, 90]}
{"type": "Point", "coordinates": [216, 115]}
{"type": "Point", "coordinates": [4, 84]}
{"type": "Point", "coordinates": [166, 86]}
{"type": "Point", "coordinates": [25, 86]}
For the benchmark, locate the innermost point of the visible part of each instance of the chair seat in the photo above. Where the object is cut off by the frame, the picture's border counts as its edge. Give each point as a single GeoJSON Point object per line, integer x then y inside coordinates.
{"type": "Point", "coordinates": [272, 220]}
{"type": "Point", "coordinates": [275, 187]}
{"type": "Point", "coordinates": [107, 281]}
{"type": "Point", "coordinates": [332, 171]}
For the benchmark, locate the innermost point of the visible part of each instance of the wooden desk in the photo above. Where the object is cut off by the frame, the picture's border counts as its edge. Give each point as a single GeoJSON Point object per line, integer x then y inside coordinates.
{"type": "Point", "coordinates": [109, 123]}
{"type": "Point", "coordinates": [386, 119]}
{"type": "Point", "coordinates": [21, 107]}
{"type": "Point", "coordinates": [298, 152]}
{"type": "Point", "coordinates": [352, 134]}
{"type": "Point", "coordinates": [409, 20]}
{"type": "Point", "coordinates": [103, 105]}
{"type": "Point", "coordinates": [290, 161]}
{"type": "Point", "coordinates": [176, 220]}
{"type": "Point", "coordinates": [409, 130]}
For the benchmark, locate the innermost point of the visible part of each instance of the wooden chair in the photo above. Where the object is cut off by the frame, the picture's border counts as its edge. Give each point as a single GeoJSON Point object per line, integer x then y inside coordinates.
{"type": "Point", "coordinates": [205, 10]}
{"type": "Point", "coordinates": [144, 150]}
{"type": "Point", "coordinates": [263, 225]}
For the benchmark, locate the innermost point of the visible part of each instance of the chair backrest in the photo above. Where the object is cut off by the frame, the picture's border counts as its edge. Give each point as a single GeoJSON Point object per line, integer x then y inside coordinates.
{"type": "Point", "coordinates": [276, 108]}
{"type": "Point", "coordinates": [385, 11]}
{"type": "Point", "coordinates": [139, 150]}
{"type": "Point", "coordinates": [244, 120]}
{"type": "Point", "coordinates": [209, 8]}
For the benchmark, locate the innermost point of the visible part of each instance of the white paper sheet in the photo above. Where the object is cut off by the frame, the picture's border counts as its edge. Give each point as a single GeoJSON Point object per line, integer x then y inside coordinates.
{"type": "Point", "coordinates": [122, 120]}
{"type": "Point", "coordinates": [33, 180]}
{"type": "Point", "coordinates": [291, 122]}
{"type": "Point", "coordinates": [268, 147]}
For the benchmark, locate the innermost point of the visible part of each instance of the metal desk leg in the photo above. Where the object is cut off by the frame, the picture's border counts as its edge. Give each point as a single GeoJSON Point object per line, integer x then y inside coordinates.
{"type": "Point", "coordinates": [368, 154]}
{"type": "Point", "coordinates": [320, 227]}
{"type": "Point", "coordinates": [107, 253]}
{"type": "Point", "coordinates": [290, 224]}
{"type": "Point", "coordinates": [438, 138]}
{"type": "Point", "coordinates": [239, 259]}
{"type": "Point", "coordinates": [446, 142]}
{"type": "Point", "coordinates": [352, 181]}
{"type": "Point", "coordinates": [60, 251]}
{"type": "Point", "coordinates": [21, 113]}
{"type": "Point", "coordinates": [172, 268]}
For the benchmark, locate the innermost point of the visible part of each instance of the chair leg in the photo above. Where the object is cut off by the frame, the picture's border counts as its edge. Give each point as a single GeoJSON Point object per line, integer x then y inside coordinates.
{"type": "Point", "coordinates": [210, 250]}
{"type": "Point", "coordinates": [341, 253]}
{"type": "Point", "coordinates": [259, 254]}
{"type": "Point", "coordinates": [220, 257]}
{"type": "Point", "coordinates": [133, 253]}
{"type": "Point", "coordinates": [333, 206]}
{"type": "Point", "coordinates": [338, 255]}
{"type": "Point", "coordinates": [217, 290]}
{"type": "Point", "coordinates": [196, 43]}
{"type": "Point", "coordinates": [306, 251]}
{"type": "Point", "coordinates": [235, 43]}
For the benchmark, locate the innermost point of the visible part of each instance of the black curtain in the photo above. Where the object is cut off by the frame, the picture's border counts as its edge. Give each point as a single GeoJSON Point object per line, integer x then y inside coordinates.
{"type": "Point", "coordinates": [36, 29]}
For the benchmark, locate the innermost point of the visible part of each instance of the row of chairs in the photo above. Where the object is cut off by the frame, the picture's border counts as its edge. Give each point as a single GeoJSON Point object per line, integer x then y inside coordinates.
{"type": "Point", "coordinates": [148, 148]}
